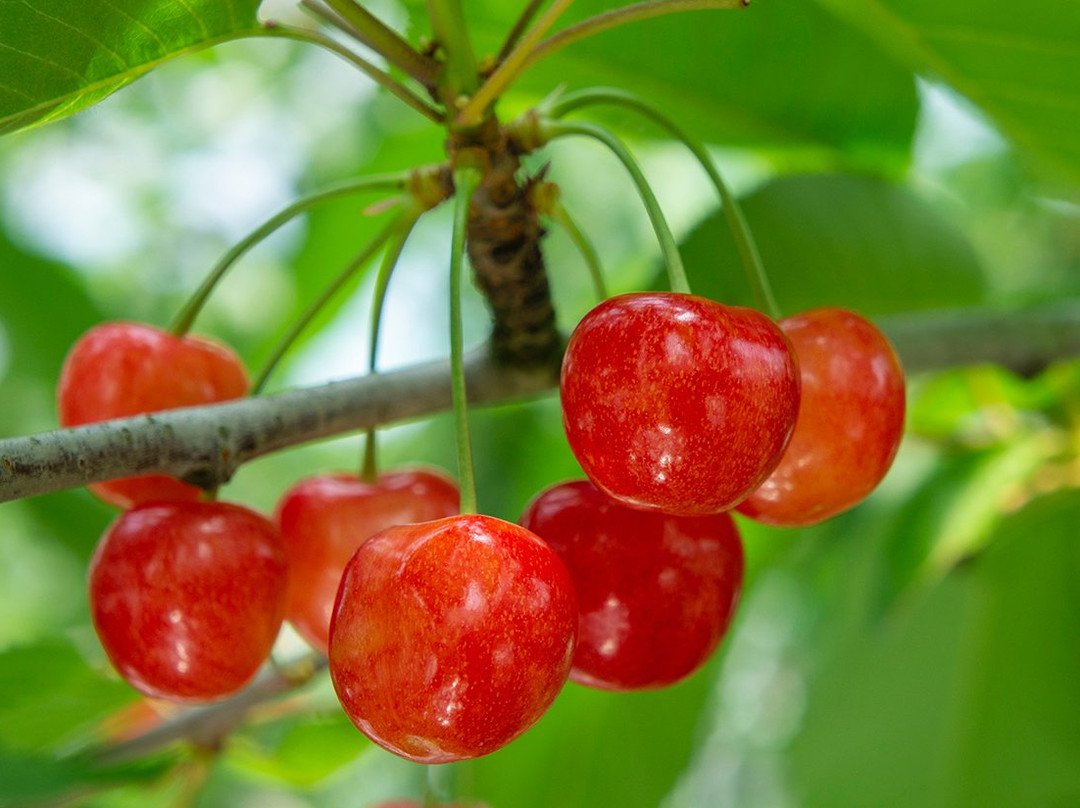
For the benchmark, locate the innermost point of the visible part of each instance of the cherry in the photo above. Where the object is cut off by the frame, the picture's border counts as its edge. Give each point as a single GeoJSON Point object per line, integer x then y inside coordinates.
{"type": "Point", "coordinates": [324, 519]}
{"type": "Point", "coordinates": [187, 597]}
{"type": "Point", "coordinates": [451, 638]}
{"type": "Point", "coordinates": [850, 420]}
{"type": "Point", "coordinates": [677, 403]}
{"type": "Point", "coordinates": [656, 592]}
{"type": "Point", "coordinates": [122, 369]}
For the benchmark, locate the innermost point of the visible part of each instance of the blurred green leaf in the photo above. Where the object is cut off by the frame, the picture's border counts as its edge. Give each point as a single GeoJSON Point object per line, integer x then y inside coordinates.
{"type": "Point", "coordinates": [969, 697]}
{"type": "Point", "coordinates": [44, 307]}
{"type": "Point", "coordinates": [597, 748]}
{"type": "Point", "coordinates": [1023, 70]}
{"type": "Point", "coordinates": [50, 693]}
{"type": "Point", "coordinates": [301, 752]}
{"type": "Point", "coordinates": [57, 57]}
{"type": "Point", "coordinates": [839, 240]}
{"type": "Point", "coordinates": [781, 73]}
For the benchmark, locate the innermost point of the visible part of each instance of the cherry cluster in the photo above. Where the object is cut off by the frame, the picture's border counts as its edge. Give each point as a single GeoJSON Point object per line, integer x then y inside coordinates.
{"type": "Point", "coordinates": [449, 634]}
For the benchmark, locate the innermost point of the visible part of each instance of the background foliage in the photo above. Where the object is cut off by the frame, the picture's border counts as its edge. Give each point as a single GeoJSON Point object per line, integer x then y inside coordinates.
{"type": "Point", "coordinates": [894, 156]}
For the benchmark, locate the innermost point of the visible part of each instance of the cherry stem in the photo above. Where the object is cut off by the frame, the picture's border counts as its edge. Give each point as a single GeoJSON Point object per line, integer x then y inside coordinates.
{"type": "Point", "coordinates": [467, 178]}
{"type": "Point", "coordinates": [460, 76]}
{"type": "Point", "coordinates": [383, 182]}
{"type": "Point", "coordinates": [373, 32]}
{"type": "Point", "coordinates": [622, 16]}
{"type": "Point", "coordinates": [509, 67]}
{"type": "Point", "coordinates": [380, 77]}
{"type": "Point", "coordinates": [520, 25]}
{"type": "Point", "coordinates": [405, 224]}
{"type": "Point", "coordinates": [736, 220]}
{"type": "Point", "coordinates": [328, 293]}
{"type": "Point", "coordinates": [676, 273]}
{"type": "Point", "coordinates": [561, 216]}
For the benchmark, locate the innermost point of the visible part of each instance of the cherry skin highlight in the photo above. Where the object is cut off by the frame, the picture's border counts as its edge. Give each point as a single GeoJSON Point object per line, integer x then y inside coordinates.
{"type": "Point", "coordinates": [187, 597]}
{"type": "Point", "coordinates": [676, 403]}
{"type": "Point", "coordinates": [122, 369]}
{"type": "Point", "coordinates": [656, 592]}
{"type": "Point", "coordinates": [451, 638]}
{"type": "Point", "coordinates": [850, 420]}
{"type": "Point", "coordinates": [324, 519]}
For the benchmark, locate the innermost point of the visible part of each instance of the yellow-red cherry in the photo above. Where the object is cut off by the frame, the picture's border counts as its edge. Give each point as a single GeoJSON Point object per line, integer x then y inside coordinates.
{"type": "Point", "coordinates": [676, 403]}
{"type": "Point", "coordinates": [656, 592]}
{"type": "Point", "coordinates": [187, 597]}
{"type": "Point", "coordinates": [849, 425]}
{"type": "Point", "coordinates": [324, 519]}
{"type": "Point", "coordinates": [451, 638]}
{"type": "Point", "coordinates": [121, 369]}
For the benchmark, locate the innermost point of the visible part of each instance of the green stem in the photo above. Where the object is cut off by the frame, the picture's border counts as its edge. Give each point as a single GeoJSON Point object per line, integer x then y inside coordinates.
{"type": "Point", "coordinates": [384, 40]}
{"type": "Point", "coordinates": [379, 182]}
{"type": "Point", "coordinates": [509, 68]}
{"type": "Point", "coordinates": [305, 319]}
{"type": "Point", "coordinates": [466, 179]}
{"type": "Point", "coordinates": [622, 16]}
{"type": "Point", "coordinates": [520, 25]}
{"type": "Point", "coordinates": [740, 229]}
{"type": "Point", "coordinates": [379, 76]}
{"type": "Point", "coordinates": [561, 216]}
{"type": "Point", "coordinates": [668, 247]}
{"type": "Point", "coordinates": [461, 74]}
{"type": "Point", "coordinates": [389, 261]}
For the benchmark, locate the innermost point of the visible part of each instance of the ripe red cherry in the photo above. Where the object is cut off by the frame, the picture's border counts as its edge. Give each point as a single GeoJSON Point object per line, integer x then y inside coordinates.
{"type": "Point", "coordinates": [324, 519]}
{"type": "Point", "coordinates": [850, 420]}
{"type": "Point", "coordinates": [676, 403]}
{"type": "Point", "coordinates": [655, 592]}
{"type": "Point", "coordinates": [187, 597]}
{"type": "Point", "coordinates": [451, 638]}
{"type": "Point", "coordinates": [122, 369]}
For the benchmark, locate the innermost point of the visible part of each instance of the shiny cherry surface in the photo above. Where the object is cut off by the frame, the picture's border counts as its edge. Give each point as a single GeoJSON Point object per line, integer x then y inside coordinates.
{"type": "Point", "coordinates": [451, 638]}
{"type": "Point", "coordinates": [850, 421]}
{"type": "Point", "coordinates": [656, 592]}
{"type": "Point", "coordinates": [324, 519]}
{"type": "Point", "coordinates": [677, 403]}
{"type": "Point", "coordinates": [187, 597]}
{"type": "Point", "coordinates": [122, 369]}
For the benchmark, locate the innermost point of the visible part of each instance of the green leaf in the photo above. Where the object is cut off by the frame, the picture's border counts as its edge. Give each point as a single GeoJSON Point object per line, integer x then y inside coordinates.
{"type": "Point", "coordinates": [597, 748]}
{"type": "Point", "coordinates": [839, 240]}
{"type": "Point", "coordinates": [1022, 69]}
{"type": "Point", "coordinates": [58, 57]}
{"type": "Point", "coordinates": [50, 693]}
{"type": "Point", "coordinates": [780, 73]}
{"type": "Point", "coordinates": [968, 697]}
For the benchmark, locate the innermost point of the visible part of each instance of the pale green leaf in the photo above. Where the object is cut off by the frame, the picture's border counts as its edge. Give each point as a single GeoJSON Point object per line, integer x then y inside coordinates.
{"type": "Point", "coordinates": [58, 57]}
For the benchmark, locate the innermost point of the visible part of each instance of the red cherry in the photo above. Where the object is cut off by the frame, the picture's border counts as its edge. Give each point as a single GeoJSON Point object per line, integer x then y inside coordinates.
{"type": "Point", "coordinates": [850, 420]}
{"type": "Point", "coordinates": [121, 369]}
{"type": "Point", "coordinates": [451, 638]}
{"type": "Point", "coordinates": [187, 597]}
{"type": "Point", "coordinates": [324, 519]}
{"type": "Point", "coordinates": [655, 592]}
{"type": "Point", "coordinates": [677, 403]}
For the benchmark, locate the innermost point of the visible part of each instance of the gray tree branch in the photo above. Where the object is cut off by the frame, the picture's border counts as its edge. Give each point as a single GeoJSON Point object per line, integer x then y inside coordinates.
{"type": "Point", "coordinates": [205, 445]}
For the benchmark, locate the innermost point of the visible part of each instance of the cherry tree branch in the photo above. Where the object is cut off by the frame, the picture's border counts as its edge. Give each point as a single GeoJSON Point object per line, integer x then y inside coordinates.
{"type": "Point", "coordinates": [205, 445]}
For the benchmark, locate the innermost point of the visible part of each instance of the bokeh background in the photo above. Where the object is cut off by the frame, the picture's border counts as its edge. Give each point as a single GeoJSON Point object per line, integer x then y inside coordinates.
{"type": "Point", "coordinates": [918, 161]}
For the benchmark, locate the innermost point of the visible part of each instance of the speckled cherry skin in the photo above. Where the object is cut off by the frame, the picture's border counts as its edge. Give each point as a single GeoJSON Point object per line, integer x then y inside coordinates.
{"type": "Point", "coordinates": [187, 597]}
{"type": "Point", "coordinates": [324, 519]}
{"type": "Point", "coordinates": [849, 425]}
{"type": "Point", "coordinates": [451, 638]}
{"type": "Point", "coordinates": [676, 403]}
{"type": "Point", "coordinates": [121, 369]}
{"type": "Point", "coordinates": [656, 592]}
